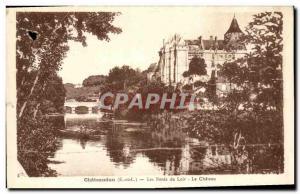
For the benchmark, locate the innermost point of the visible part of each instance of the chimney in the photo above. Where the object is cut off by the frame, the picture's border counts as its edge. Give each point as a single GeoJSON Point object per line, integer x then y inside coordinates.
{"type": "Point", "coordinates": [211, 42]}
{"type": "Point", "coordinates": [216, 43]}
{"type": "Point", "coordinates": [160, 53]}
{"type": "Point", "coordinates": [200, 42]}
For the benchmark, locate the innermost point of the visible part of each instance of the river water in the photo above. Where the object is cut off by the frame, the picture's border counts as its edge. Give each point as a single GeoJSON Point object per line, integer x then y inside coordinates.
{"type": "Point", "coordinates": [132, 150]}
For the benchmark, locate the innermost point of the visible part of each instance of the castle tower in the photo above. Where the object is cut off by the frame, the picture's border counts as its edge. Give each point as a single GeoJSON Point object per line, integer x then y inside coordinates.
{"type": "Point", "coordinates": [233, 36]}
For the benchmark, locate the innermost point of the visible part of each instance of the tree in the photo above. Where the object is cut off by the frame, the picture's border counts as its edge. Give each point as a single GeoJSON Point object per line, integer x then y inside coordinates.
{"type": "Point", "coordinates": [55, 92]}
{"type": "Point", "coordinates": [42, 43]}
{"type": "Point", "coordinates": [257, 80]}
{"type": "Point", "coordinates": [197, 66]}
{"type": "Point", "coordinates": [260, 71]}
{"type": "Point", "coordinates": [124, 77]}
{"type": "Point", "coordinates": [211, 88]}
{"type": "Point", "coordinates": [264, 33]}
{"type": "Point", "coordinates": [94, 80]}
{"type": "Point", "coordinates": [232, 72]}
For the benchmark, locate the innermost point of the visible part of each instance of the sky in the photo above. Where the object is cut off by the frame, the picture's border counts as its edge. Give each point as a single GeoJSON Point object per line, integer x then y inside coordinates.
{"type": "Point", "coordinates": [143, 32]}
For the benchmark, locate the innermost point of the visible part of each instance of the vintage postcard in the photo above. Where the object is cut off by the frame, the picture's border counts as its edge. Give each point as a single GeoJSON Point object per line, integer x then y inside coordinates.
{"type": "Point", "coordinates": [149, 97]}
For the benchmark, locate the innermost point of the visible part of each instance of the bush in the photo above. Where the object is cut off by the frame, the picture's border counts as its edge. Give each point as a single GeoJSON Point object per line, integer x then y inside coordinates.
{"type": "Point", "coordinates": [36, 143]}
{"type": "Point", "coordinates": [187, 87]}
{"type": "Point", "coordinates": [199, 84]}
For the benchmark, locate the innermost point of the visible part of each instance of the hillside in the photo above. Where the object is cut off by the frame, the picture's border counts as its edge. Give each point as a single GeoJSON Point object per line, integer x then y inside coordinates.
{"type": "Point", "coordinates": [90, 87]}
{"type": "Point", "coordinates": [80, 93]}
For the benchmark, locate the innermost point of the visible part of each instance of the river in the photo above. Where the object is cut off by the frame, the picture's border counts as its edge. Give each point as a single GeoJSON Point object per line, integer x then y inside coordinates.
{"type": "Point", "coordinates": [143, 151]}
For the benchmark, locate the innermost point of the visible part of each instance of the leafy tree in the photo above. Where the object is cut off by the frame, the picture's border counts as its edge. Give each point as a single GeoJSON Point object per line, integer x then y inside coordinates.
{"type": "Point", "coordinates": [36, 142]}
{"type": "Point", "coordinates": [199, 84]}
{"type": "Point", "coordinates": [232, 72]}
{"type": "Point", "coordinates": [55, 92]}
{"type": "Point", "coordinates": [47, 107]}
{"type": "Point", "coordinates": [69, 85]}
{"type": "Point", "coordinates": [42, 43]}
{"type": "Point", "coordinates": [260, 71]}
{"type": "Point", "coordinates": [124, 77]}
{"type": "Point", "coordinates": [264, 33]}
{"type": "Point", "coordinates": [187, 87]}
{"type": "Point", "coordinates": [257, 80]}
{"type": "Point", "coordinates": [197, 66]}
{"type": "Point", "coordinates": [185, 74]}
{"type": "Point", "coordinates": [44, 52]}
{"type": "Point", "coordinates": [211, 88]}
{"type": "Point", "coordinates": [94, 80]}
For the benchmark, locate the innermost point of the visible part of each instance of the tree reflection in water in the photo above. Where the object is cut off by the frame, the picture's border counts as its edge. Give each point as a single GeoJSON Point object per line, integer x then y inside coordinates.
{"type": "Point", "coordinates": [202, 158]}
{"type": "Point", "coordinates": [83, 142]}
{"type": "Point", "coordinates": [168, 147]}
{"type": "Point", "coordinates": [174, 151]}
{"type": "Point", "coordinates": [118, 146]}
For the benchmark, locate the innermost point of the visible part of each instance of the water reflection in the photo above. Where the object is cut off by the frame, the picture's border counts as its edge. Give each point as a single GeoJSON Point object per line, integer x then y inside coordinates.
{"type": "Point", "coordinates": [125, 150]}
{"type": "Point", "coordinates": [119, 149]}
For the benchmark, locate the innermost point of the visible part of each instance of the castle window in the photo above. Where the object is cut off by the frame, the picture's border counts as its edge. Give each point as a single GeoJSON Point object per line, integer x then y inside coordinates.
{"type": "Point", "coordinates": [213, 150]}
{"type": "Point", "coordinates": [223, 87]}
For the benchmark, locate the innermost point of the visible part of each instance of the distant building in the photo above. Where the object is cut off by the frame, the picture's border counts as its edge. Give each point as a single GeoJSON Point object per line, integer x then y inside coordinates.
{"type": "Point", "coordinates": [77, 85]}
{"type": "Point", "coordinates": [176, 54]}
{"type": "Point", "coordinates": [93, 98]}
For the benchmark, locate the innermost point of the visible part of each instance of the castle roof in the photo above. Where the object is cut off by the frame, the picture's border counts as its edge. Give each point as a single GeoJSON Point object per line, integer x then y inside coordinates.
{"type": "Point", "coordinates": [207, 44]}
{"type": "Point", "coordinates": [234, 27]}
{"type": "Point", "coordinates": [152, 68]}
{"type": "Point", "coordinates": [213, 44]}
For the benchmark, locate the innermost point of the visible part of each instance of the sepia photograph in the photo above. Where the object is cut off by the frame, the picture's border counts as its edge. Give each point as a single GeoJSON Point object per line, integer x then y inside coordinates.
{"type": "Point", "coordinates": [151, 97]}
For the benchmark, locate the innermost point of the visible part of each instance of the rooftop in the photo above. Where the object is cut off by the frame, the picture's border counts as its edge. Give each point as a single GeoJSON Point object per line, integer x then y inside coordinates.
{"type": "Point", "coordinates": [234, 26]}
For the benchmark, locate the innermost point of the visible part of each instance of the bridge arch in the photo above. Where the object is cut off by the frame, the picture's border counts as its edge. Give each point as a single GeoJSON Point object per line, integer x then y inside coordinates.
{"type": "Point", "coordinates": [95, 109]}
{"type": "Point", "coordinates": [68, 109]}
{"type": "Point", "coordinates": [81, 110]}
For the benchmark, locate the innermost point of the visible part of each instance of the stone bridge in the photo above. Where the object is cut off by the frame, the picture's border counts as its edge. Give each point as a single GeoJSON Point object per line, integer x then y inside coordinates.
{"type": "Point", "coordinates": [92, 107]}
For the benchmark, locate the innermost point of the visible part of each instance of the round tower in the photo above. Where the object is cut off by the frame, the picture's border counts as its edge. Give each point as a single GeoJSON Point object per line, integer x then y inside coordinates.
{"type": "Point", "coordinates": [232, 38]}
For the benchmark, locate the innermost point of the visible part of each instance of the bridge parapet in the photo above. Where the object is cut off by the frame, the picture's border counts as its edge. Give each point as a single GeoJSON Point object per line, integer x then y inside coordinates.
{"type": "Point", "coordinates": [74, 105]}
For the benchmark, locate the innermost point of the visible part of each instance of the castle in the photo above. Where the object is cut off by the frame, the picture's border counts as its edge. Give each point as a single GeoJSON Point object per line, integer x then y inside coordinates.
{"type": "Point", "coordinates": [176, 54]}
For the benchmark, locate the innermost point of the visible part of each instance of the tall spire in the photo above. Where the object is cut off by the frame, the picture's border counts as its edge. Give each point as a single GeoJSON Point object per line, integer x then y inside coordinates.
{"type": "Point", "coordinates": [234, 26]}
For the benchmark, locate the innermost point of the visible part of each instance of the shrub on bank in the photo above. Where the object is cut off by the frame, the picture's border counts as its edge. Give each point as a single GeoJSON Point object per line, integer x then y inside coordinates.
{"type": "Point", "coordinates": [36, 143]}
{"type": "Point", "coordinates": [220, 126]}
